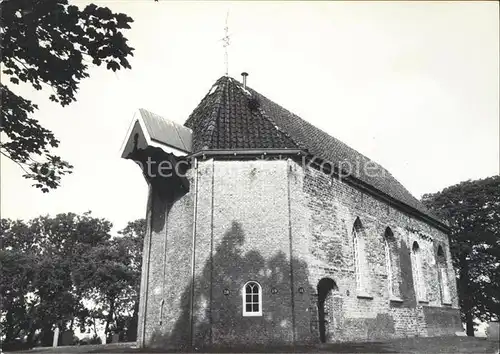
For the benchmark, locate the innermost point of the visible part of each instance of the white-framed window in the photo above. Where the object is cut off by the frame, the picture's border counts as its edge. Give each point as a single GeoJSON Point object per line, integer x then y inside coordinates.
{"type": "Point", "coordinates": [252, 299]}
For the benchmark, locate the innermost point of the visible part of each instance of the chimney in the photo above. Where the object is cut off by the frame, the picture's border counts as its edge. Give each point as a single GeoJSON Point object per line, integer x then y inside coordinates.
{"type": "Point", "coordinates": [244, 74]}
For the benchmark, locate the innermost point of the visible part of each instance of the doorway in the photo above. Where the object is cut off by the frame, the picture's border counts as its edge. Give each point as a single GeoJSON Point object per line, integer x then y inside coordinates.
{"type": "Point", "coordinates": [326, 287]}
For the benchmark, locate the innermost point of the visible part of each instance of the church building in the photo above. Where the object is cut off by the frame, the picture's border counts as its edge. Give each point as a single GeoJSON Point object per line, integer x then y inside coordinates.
{"type": "Point", "coordinates": [263, 229]}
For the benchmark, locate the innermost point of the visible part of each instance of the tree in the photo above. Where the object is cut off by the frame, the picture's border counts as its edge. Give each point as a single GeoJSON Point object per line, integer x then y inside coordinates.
{"type": "Point", "coordinates": [110, 276]}
{"type": "Point", "coordinates": [51, 44]}
{"type": "Point", "coordinates": [55, 263]}
{"type": "Point", "coordinates": [472, 209]}
{"type": "Point", "coordinates": [133, 236]}
{"type": "Point", "coordinates": [105, 277]}
{"type": "Point", "coordinates": [19, 263]}
{"type": "Point", "coordinates": [42, 258]}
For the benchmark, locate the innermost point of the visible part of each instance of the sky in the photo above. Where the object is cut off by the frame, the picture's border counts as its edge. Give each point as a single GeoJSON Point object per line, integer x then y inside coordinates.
{"type": "Point", "coordinates": [412, 85]}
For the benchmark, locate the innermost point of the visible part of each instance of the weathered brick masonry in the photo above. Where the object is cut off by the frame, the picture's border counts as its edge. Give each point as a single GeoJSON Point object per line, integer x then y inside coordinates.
{"type": "Point", "coordinates": [332, 207]}
{"type": "Point", "coordinates": [286, 227]}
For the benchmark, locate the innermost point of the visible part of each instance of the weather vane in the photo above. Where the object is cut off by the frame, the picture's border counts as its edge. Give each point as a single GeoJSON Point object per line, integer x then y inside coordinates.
{"type": "Point", "coordinates": [226, 42]}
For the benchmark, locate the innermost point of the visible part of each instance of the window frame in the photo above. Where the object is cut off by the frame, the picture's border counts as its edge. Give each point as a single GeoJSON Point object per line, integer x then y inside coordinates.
{"type": "Point", "coordinates": [388, 266]}
{"type": "Point", "coordinates": [357, 264]}
{"type": "Point", "coordinates": [442, 267]}
{"type": "Point", "coordinates": [391, 265]}
{"type": "Point", "coordinates": [361, 266]}
{"type": "Point", "coordinates": [244, 300]}
{"type": "Point", "coordinates": [418, 273]}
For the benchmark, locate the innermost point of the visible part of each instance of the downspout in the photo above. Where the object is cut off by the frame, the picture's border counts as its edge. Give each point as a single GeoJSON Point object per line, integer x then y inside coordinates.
{"type": "Point", "coordinates": [292, 285]}
{"type": "Point", "coordinates": [165, 227]}
{"type": "Point", "coordinates": [193, 249]}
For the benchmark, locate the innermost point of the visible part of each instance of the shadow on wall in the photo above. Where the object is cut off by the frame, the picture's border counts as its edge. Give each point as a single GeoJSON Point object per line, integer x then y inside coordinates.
{"type": "Point", "coordinates": [225, 325]}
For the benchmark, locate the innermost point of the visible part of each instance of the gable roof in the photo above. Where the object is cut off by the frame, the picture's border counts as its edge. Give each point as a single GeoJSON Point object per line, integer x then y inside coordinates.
{"type": "Point", "coordinates": [233, 117]}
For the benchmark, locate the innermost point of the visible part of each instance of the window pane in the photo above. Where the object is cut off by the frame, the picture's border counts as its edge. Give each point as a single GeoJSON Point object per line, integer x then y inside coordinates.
{"type": "Point", "coordinates": [255, 298]}
{"type": "Point", "coordinates": [248, 289]}
{"type": "Point", "coordinates": [249, 308]}
{"type": "Point", "coordinates": [249, 298]}
{"type": "Point", "coordinates": [255, 307]}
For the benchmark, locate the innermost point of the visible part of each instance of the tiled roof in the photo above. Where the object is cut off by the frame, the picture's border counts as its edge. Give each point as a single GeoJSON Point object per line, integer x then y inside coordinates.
{"type": "Point", "coordinates": [225, 120]}
{"type": "Point", "coordinates": [233, 117]}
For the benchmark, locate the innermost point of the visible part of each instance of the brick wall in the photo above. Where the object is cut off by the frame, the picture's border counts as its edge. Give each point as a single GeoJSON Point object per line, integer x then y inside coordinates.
{"type": "Point", "coordinates": [165, 286]}
{"type": "Point", "coordinates": [285, 227]}
{"type": "Point", "coordinates": [243, 235]}
{"type": "Point", "coordinates": [333, 208]}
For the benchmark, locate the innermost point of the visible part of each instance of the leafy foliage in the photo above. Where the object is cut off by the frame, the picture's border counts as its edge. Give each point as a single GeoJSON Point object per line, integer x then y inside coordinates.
{"type": "Point", "coordinates": [58, 266]}
{"type": "Point", "coordinates": [105, 277]}
{"type": "Point", "coordinates": [16, 306]}
{"type": "Point", "coordinates": [43, 254]}
{"type": "Point", "coordinates": [472, 209]}
{"type": "Point", "coordinates": [133, 239]}
{"type": "Point", "coordinates": [51, 44]}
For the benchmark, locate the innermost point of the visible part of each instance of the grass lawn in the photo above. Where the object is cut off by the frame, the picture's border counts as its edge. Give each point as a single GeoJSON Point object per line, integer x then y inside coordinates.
{"type": "Point", "coordinates": [406, 345]}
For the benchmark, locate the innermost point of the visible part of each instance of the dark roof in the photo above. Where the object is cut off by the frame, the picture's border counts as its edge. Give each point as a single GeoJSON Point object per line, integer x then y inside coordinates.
{"type": "Point", "coordinates": [233, 117]}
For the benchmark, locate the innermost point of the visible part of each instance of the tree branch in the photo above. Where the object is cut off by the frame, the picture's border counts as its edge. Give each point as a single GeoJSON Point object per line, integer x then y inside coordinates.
{"type": "Point", "coordinates": [38, 81]}
{"type": "Point", "coordinates": [18, 163]}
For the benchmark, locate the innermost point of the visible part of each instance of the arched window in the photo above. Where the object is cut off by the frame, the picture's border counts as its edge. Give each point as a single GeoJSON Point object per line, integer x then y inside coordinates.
{"type": "Point", "coordinates": [252, 299]}
{"type": "Point", "coordinates": [443, 276]}
{"type": "Point", "coordinates": [360, 266]}
{"type": "Point", "coordinates": [355, 241]}
{"type": "Point", "coordinates": [389, 246]}
{"type": "Point", "coordinates": [417, 272]}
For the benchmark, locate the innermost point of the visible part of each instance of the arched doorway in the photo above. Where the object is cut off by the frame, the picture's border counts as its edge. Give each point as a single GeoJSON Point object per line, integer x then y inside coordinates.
{"type": "Point", "coordinates": [326, 287]}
